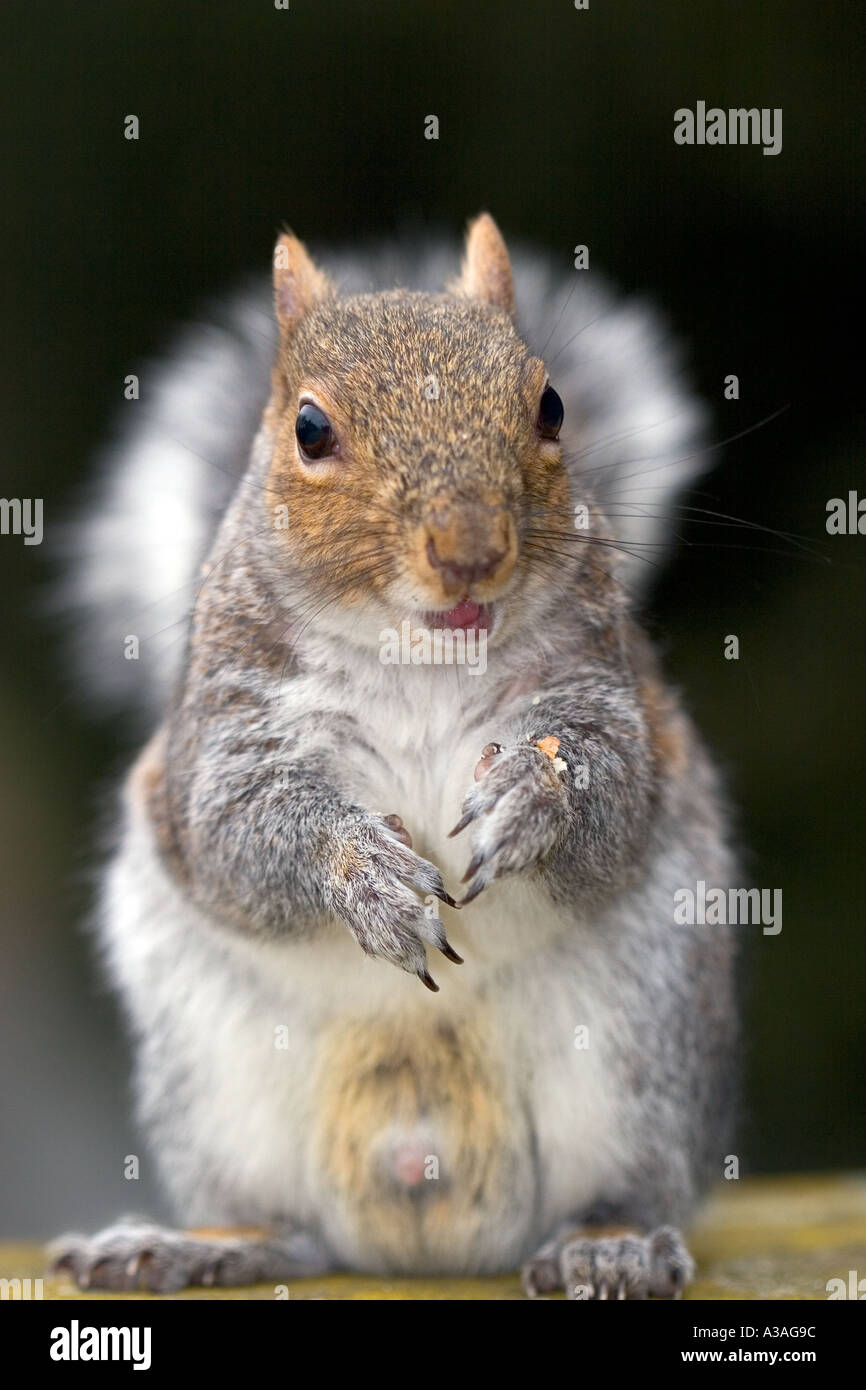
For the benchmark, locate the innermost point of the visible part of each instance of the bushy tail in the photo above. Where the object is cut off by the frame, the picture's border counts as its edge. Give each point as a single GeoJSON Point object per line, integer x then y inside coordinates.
{"type": "Point", "coordinates": [138, 540]}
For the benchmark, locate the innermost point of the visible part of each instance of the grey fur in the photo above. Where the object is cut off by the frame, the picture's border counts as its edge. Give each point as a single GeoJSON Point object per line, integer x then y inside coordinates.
{"type": "Point", "coordinates": [287, 744]}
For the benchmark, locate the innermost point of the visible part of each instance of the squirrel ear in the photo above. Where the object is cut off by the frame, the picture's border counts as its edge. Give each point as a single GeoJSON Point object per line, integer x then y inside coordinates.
{"type": "Point", "coordinates": [298, 282]}
{"type": "Point", "coordinates": [486, 273]}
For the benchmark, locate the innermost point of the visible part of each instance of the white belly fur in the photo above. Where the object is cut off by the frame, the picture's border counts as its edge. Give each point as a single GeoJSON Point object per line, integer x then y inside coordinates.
{"type": "Point", "coordinates": [243, 1148]}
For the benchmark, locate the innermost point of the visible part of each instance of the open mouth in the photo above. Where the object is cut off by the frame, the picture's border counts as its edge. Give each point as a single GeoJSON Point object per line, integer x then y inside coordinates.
{"type": "Point", "coordinates": [466, 616]}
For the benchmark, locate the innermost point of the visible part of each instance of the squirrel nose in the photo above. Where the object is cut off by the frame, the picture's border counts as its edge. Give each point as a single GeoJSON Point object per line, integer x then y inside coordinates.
{"type": "Point", "coordinates": [457, 574]}
{"type": "Point", "coordinates": [467, 544]}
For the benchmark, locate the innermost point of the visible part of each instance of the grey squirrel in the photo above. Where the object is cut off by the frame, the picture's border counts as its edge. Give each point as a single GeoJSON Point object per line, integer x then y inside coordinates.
{"type": "Point", "coordinates": [300, 821]}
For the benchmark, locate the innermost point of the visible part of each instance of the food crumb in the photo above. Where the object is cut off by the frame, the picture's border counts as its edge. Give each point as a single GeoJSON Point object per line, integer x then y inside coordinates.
{"type": "Point", "coordinates": [549, 747]}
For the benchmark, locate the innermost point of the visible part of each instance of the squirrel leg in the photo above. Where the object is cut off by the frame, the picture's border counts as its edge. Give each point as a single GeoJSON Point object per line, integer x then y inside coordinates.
{"type": "Point", "coordinates": [594, 1263]}
{"type": "Point", "coordinates": [134, 1254]}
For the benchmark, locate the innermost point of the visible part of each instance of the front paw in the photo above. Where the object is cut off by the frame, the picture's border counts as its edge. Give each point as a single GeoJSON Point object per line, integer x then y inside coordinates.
{"type": "Point", "coordinates": [518, 810]}
{"type": "Point", "coordinates": [373, 880]}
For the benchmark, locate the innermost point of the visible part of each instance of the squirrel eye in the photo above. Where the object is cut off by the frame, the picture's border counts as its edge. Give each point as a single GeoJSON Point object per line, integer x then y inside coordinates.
{"type": "Point", "coordinates": [550, 413]}
{"type": "Point", "coordinates": [314, 432]}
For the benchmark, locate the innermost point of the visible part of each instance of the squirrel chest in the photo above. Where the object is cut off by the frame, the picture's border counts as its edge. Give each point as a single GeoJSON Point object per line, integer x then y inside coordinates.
{"type": "Point", "coordinates": [424, 1108]}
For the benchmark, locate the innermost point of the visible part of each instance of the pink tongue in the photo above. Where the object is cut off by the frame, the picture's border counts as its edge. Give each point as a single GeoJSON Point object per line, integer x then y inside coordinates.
{"type": "Point", "coordinates": [466, 614]}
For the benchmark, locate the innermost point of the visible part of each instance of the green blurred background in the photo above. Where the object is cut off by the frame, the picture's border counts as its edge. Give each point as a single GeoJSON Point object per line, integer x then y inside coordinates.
{"type": "Point", "coordinates": [561, 123]}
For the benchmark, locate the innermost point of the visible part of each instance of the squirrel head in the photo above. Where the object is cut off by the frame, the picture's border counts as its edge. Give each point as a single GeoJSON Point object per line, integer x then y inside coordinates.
{"type": "Point", "coordinates": [414, 449]}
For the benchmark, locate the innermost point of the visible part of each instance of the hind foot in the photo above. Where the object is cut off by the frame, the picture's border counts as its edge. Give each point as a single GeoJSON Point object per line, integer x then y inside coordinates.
{"type": "Point", "coordinates": [133, 1254]}
{"type": "Point", "coordinates": [623, 1265]}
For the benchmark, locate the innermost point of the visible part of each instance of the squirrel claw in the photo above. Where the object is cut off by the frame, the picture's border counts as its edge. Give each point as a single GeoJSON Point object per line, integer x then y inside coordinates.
{"type": "Point", "coordinates": [448, 951]}
{"type": "Point", "coordinates": [462, 824]}
{"type": "Point", "coordinates": [473, 893]}
{"type": "Point", "coordinates": [474, 866]}
{"type": "Point", "coordinates": [427, 979]}
{"type": "Point", "coordinates": [447, 899]}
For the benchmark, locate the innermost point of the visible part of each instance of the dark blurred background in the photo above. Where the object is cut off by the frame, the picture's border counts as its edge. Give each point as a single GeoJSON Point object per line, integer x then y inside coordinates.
{"type": "Point", "coordinates": [559, 122]}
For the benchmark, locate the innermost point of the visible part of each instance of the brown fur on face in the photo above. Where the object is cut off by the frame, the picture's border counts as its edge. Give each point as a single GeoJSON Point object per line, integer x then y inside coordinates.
{"type": "Point", "coordinates": [434, 402]}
